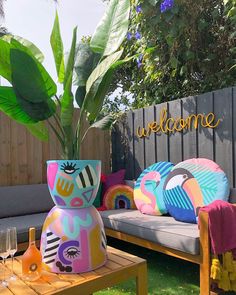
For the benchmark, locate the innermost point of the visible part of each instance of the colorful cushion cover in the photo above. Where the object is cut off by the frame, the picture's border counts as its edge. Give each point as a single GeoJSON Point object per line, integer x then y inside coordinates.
{"type": "Point", "coordinates": [192, 184]}
{"type": "Point", "coordinates": [119, 197]}
{"type": "Point", "coordinates": [148, 190]}
{"type": "Point", "coordinates": [113, 179]}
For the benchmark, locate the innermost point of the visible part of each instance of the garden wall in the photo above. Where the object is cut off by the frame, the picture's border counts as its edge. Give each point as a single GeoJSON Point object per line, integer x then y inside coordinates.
{"type": "Point", "coordinates": [170, 133]}
{"type": "Point", "coordinates": [23, 157]}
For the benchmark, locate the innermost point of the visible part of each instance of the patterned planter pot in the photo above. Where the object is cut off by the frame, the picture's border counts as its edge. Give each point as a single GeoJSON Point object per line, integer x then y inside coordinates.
{"type": "Point", "coordinates": [73, 238]}
{"type": "Point", "coordinates": [73, 184]}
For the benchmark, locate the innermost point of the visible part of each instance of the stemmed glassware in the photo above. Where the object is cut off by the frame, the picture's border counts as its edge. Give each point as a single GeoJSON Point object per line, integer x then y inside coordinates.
{"type": "Point", "coordinates": [12, 248]}
{"type": "Point", "coordinates": [4, 252]}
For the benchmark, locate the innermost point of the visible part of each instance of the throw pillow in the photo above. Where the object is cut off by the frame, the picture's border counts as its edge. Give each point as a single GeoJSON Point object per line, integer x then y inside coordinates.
{"type": "Point", "coordinates": [148, 190]}
{"type": "Point", "coordinates": [192, 184]}
{"type": "Point", "coordinates": [113, 179]}
{"type": "Point", "coordinates": [119, 196]}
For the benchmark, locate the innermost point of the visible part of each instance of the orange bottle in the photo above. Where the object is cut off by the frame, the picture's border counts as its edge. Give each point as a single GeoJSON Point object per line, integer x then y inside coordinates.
{"type": "Point", "coordinates": [32, 259]}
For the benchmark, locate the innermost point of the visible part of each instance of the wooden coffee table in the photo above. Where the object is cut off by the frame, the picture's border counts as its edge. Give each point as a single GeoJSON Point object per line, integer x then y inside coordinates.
{"type": "Point", "coordinates": [120, 267]}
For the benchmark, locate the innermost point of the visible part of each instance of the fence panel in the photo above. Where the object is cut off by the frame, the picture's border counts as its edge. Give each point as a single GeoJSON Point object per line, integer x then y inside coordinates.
{"type": "Point", "coordinates": [203, 141]}
{"type": "Point", "coordinates": [23, 157]}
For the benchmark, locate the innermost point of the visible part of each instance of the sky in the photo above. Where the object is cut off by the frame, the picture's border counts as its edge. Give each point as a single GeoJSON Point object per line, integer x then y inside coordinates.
{"type": "Point", "coordinates": [33, 20]}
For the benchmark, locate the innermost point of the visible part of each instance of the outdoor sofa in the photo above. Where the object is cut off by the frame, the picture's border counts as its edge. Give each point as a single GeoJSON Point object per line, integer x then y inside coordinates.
{"type": "Point", "coordinates": [25, 206]}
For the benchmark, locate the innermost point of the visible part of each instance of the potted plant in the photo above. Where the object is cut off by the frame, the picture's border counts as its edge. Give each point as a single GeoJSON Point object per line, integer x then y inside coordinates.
{"type": "Point", "coordinates": [76, 235]}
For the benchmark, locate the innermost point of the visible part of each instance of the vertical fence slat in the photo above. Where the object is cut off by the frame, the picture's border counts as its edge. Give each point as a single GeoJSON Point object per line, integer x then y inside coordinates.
{"type": "Point", "coordinates": [5, 150]}
{"type": "Point", "coordinates": [189, 135]}
{"type": "Point", "coordinates": [138, 143]}
{"type": "Point", "coordinates": [223, 133]}
{"type": "Point", "coordinates": [175, 139]}
{"type": "Point", "coordinates": [150, 154]}
{"type": "Point", "coordinates": [234, 134]}
{"type": "Point", "coordinates": [205, 135]}
{"type": "Point", "coordinates": [162, 147]}
{"type": "Point", "coordinates": [129, 146]}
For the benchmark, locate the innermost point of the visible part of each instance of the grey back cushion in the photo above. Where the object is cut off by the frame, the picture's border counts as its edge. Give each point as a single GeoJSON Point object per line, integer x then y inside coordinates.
{"type": "Point", "coordinates": [24, 199]}
{"type": "Point", "coordinates": [232, 196]}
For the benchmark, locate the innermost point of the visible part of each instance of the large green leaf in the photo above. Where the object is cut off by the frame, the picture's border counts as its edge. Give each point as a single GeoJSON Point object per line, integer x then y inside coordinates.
{"type": "Point", "coordinates": [71, 59]}
{"type": "Point", "coordinates": [34, 50]}
{"type": "Point", "coordinates": [104, 123]}
{"type": "Point", "coordinates": [86, 60]}
{"type": "Point", "coordinates": [5, 65]}
{"type": "Point", "coordinates": [102, 68]}
{"type": "Point", "coordinates": [29, 78]}
{"type": "Point", "coordinates": [112, 28]}
{"type": "Point", "coordinates": [80, 95]}
{"type": "Point", "coordinates": [58, 49]}
{"type": "Point", "coordinates": [38, 111]}
{"type": "Point", "coordinates": [95, 97]}
{"type": "Point", "coordinates": [10, 106]}
{"type": "Point", "coordinates": [39, 130]}
{"type": "Point", "coordinates": [67, 107]}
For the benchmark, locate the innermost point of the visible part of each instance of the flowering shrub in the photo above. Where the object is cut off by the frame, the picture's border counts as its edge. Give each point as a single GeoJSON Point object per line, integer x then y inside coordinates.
{"type": "Point", "coordinates": [184, 47]}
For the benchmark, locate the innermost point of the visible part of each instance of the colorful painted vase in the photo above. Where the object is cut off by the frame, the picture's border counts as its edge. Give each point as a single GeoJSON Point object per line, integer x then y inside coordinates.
{"type": "Point", "coordinates": [73, 184]}
{"type": "Point", "coordinates": [73, 239]}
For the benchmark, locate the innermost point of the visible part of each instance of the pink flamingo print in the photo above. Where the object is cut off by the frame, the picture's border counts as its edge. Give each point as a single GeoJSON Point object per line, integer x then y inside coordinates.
{"type": "Point", "coordinates": [150, 208]}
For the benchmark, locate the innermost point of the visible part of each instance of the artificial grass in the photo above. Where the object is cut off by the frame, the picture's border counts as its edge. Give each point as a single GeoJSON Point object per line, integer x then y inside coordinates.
{"type": "Point", "coordinates": [166, 275]}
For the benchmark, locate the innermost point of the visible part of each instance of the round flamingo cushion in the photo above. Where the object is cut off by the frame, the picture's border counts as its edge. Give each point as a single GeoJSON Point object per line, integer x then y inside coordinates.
{"type": "Point", "coordinates": [148, 190]}
{"type": "Point", "coordinates": [192, 184]}
{"type": "Point", "coordinates": [119, 196]}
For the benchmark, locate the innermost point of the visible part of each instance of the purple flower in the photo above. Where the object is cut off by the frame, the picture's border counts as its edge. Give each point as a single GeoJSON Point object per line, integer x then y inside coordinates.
{"type": "Point", "coordinates": [166, 5]}
{"type": "Point", "coordinates": [138, 35]}
{"type": "Point", "coordinates": [138, 9]}
{"type": "Point", "coordinates": [129, 36]}
{"type": "Point", "coordinates": [140, 60]}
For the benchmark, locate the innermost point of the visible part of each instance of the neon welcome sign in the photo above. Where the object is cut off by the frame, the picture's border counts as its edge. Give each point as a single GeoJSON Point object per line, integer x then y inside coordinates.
{"type": "Point", "coordinates": [170, 125]}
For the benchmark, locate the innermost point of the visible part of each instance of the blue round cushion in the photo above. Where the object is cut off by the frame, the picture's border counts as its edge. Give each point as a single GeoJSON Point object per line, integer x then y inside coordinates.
{"type": "Point", "coordinates": [192, 184]}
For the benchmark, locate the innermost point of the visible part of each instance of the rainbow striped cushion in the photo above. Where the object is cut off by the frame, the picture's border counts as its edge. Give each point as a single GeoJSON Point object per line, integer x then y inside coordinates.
{"type": "Point", "coordinates": [119, 196]}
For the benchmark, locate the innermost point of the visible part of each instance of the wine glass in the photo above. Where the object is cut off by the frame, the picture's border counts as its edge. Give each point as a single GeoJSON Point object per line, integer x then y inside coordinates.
{"type": "Point", "coordinates": [4, 252]}
{"type": "Point", "coordinates": [12, 248]}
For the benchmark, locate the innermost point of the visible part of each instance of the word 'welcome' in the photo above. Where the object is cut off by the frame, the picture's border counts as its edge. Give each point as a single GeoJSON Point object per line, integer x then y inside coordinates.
{"type": "Point", "coordinates": [166, 124]}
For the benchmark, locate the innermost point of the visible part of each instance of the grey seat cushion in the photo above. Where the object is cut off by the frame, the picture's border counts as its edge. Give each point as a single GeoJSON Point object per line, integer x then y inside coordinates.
{"type": "Point", "coordinates": [24, 199]}
{"type": "Point", "coordinates": [23, 223]}
{"type": "Point", "coordinates": [164, 230]}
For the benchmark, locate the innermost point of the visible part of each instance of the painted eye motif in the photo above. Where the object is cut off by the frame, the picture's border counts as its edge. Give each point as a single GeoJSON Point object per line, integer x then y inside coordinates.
{"type": "Point", "coordinates": [69, 168]}
{"type": "Point", "coordinates": [72, 252]}
{"type": "Point", "coordinates": [185, 176]}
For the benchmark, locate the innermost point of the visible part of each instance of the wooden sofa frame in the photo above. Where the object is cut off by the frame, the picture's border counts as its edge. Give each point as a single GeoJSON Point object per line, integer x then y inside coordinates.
{"type": "Point", "coordinates": [203, 259]}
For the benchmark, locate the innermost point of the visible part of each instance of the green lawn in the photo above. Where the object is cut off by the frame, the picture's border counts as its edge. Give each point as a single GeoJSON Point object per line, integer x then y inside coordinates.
{"type": "Point", "coordinates": [166, 275]}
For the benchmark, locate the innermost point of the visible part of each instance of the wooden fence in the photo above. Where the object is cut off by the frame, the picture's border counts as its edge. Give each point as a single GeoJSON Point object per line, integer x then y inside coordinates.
{"type": "Point", "coordinates": [23, 157]}
{"type": "Point", "coordinates": [134, 153]}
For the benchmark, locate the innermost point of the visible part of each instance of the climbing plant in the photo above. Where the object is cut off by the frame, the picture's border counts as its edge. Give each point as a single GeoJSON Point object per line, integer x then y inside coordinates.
{"type": "Point", "coordinates": [185, 48]}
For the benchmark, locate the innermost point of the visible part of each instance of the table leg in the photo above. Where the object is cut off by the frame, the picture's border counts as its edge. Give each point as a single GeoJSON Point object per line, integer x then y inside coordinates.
{"type": "Point", "coordinates": [141, 280]}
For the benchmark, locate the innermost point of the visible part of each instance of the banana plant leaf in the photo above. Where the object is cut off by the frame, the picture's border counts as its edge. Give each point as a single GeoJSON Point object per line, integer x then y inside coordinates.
{"type": "Point", "coordinates": [112, 28]}
{"type": "Point", "coordinates": [10, 106]}
{"type": "Point", "coordinates": [67, 107]}
{"type": "Point", "coordinates": [80, 95]}
{"type": "Point", "coordinates": [34, 50]}
{"type": "Point", "coordinates": [39, 130]}
{"type": "Point", "coordinates": [96, 95]}
{"type": "Point", "coordinates": [5, 65]}
{"type": "Point", "coordinates": [104, 124]}
{"type": "Point", "coordinates": [30, 78]}
{"type": "Point", "coordinates": [71, 59]}
{"type": "Point", "coordinates": [102, 68]}
{"type": "Point", "coordinates": [85, 62]}
{"type": "Point", "coordinates": [58, 50]}
{"type": "Point", "coordinates": [37, 111]}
